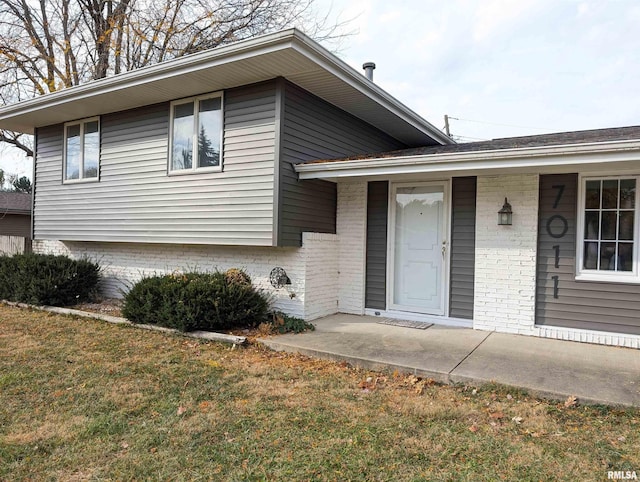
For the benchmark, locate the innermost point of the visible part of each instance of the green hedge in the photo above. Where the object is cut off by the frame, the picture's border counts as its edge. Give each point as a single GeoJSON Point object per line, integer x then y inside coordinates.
{"type": "Point", "coordinates": [196, 301]}
{"type": "Point", "coordinates": [40, 279]}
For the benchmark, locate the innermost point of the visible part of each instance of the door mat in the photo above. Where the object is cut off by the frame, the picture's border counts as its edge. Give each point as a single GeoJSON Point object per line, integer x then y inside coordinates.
{"type": "Point", "coordinates": [420, 325]}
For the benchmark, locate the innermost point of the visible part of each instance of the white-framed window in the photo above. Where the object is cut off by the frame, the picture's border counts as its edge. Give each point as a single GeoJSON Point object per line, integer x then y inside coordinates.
{"type": "Point", "coordinates": [81, 158]}
{"type": "Point", "coordinates": [195, 138]}
{"type": "Point", "coordinates": [608, 235]}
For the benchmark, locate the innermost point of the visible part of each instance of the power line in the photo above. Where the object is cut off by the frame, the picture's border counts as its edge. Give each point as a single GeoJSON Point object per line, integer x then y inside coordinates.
{"type": "Point", "coordinates": [497, 124]}
{"type": "Point", "coordinates": [457, 136]}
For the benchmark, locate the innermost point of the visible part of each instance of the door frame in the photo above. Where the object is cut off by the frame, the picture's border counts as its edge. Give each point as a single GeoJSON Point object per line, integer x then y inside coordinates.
{"type": "Point", "coordinates": [446, 234]}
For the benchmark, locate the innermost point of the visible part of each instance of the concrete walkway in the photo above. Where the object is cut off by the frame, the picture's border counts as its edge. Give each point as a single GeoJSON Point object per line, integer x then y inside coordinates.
{"type": "Point", "coordinates": [549, 368]}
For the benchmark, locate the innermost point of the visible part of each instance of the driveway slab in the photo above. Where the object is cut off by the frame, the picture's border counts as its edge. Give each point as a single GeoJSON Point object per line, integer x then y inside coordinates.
{"type": "Point", "coordinates": [556, 368]}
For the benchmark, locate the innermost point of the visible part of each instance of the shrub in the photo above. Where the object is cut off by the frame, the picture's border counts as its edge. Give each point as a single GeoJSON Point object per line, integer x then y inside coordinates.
{"type": "Point", "coordinates": [196, 301]}
{"type": "Point", "coordinates": [47, 279]}
{"type": "Point", "coordinates": [283, 323]}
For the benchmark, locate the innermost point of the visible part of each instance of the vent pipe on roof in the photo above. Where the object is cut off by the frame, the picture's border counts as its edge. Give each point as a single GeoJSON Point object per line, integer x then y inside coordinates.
{"type": "Point", "coordinates": [368, 70]}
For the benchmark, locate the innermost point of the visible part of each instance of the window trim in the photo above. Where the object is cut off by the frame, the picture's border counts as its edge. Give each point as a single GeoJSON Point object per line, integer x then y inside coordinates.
{"type": "Point", "coordinates": [194, 165]}
{"type": "Point", "coordinates": [582, 274]}
{"type": "Point", "coordinates": [81, 178]}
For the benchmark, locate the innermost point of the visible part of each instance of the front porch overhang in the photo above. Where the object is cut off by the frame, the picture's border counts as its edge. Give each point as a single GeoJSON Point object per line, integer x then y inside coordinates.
{"type": "Point", "coordinates": [615, 155]}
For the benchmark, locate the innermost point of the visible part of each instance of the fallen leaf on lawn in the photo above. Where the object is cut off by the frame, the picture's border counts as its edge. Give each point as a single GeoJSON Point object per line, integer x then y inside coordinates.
{"type": "Point", "coordinates": [473, 429]}
{"type": "Point", "coordinates": [570, 401]}
{"type": "Point", "coordinates": [517, 420]}
{"type": "Point", "coordinates": [214, 363]}
{"type": "Point", "coordinates": [496, 415]}
{"type": "Point", "coordinates": [203, 406]}
{"type": "Point", "coordinates": [153, 450]}
{"type": "Point", "coordinates": [509, 397]}
{"type": "Point", "coordinates": [181, 410]}
{"type": "Point", "coordinates": [124, 445]}
{"type": "Point", "coordinates": [412, 379]}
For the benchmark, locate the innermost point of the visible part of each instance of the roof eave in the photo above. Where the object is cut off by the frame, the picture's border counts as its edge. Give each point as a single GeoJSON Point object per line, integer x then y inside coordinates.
{"type": "Point", "coordinates": [16, 211]}
{"type": "Point", "coordinates": [292, 38]}
{"type": "Point", "coordinates": [531, 157]}
{"type": "Point", "coordinates": [142, 75]}
{"type": "Point", "coordinates": [358, 80]}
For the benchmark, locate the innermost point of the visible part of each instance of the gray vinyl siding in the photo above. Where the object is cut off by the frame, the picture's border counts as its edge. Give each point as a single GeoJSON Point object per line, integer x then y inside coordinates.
{"type": "Point", "coordinates": [613, 307]}
{"type": "Point", "coordinates": [314, 129]}
{"type": "Point", "coordinates": [376, 259]}
{"type": "Point", "coordinates": [136, 201]}
{"type": "Point", "coordinates": [15, 225]}
{"type": "Point", "coordinates": [463, 239]}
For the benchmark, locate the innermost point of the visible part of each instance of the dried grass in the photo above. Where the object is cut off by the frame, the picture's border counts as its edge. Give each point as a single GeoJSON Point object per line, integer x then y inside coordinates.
{"type": "Point", "coordinates": [85, 400]}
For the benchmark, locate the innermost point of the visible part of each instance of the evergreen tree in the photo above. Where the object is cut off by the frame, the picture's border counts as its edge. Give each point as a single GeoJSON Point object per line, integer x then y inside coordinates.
{"type": "Point", "coordinates": [207, 154]}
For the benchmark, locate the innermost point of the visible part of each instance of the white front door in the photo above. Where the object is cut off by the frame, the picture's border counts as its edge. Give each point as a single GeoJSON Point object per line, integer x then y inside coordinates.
{"type": "Point", "coordinates": [418, 248]}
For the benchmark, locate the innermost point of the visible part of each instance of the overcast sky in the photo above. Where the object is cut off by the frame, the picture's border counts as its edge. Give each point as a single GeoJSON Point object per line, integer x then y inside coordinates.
{"type": "Point", "coordinates": [547, 66]}
{"type": "Point", "coordinates": [540, 65]}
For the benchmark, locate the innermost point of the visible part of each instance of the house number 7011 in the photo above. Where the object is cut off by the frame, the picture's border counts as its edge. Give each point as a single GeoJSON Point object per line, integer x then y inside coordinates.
{"type": "Point", "coordinates": [557, 227]}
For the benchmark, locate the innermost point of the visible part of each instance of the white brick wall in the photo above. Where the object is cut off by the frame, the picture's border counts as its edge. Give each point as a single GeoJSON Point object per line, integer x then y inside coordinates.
{"type": "Point", "coordinates": [588, 336]}
{"type": "Point", "coordinates": [315, 265]}
{"type": "Point", "coordinates": [125, 263]}
{"type": "Point", "coordinates": [320, 252]}
{"type": "Point", "coordinates": [351, 227]}
{"type": "Point", "coordinates": [505, 266]}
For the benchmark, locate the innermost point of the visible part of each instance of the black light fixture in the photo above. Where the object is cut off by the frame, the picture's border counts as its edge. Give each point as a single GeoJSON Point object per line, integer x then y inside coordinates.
{"type": "Point", "coordinates": [505, 214]}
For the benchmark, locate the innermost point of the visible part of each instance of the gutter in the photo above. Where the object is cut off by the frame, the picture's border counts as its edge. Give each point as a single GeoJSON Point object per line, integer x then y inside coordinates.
{"type": "Point", "coordinates": [626, 150]}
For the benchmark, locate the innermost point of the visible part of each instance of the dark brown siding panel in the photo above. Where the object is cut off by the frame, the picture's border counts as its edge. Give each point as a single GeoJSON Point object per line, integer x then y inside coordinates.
{"type": "Point", "coordinates": [563, 301]}
{"type": "Point", "coordinates": [314, 129]}
{"type": "Point", "coordinates": [376, 270]}
{"type": "Point", "coordinates": [15, 225]}
{"type": "Point", "coordinates": [463, 241]}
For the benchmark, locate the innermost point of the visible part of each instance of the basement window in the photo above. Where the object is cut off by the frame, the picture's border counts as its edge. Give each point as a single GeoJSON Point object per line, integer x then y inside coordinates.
{"type": "Point", "coordinates": [196, 134]}
{"type": "Point", "coordinates": [82, 150]}
{"type": "Point", "coordinates": [608, 229]}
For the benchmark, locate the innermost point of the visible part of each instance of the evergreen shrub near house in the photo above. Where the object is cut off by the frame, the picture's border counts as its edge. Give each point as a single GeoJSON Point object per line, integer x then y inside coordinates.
{"type": "Point", "coordinates": [196, 301]}
{"type": "Point", "coordinates": [40, 279]}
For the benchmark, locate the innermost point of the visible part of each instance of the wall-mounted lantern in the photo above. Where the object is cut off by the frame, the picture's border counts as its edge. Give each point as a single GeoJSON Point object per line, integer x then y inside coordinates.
{"type": "Point", "coordinates": [505, 214]}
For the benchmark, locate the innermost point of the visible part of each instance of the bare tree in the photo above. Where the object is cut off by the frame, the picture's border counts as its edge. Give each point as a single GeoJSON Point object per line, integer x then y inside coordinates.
{"type": "Point", "coordinates": [48, 45]}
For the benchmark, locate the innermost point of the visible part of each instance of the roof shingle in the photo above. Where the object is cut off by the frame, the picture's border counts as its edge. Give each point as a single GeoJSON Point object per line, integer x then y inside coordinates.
{"type": "Point", "coordinates": [15, 203]}
{"type": "Point", "coordinates": [559, 138]}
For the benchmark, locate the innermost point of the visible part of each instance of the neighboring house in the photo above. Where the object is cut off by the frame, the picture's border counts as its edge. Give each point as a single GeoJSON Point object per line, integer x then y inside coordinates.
{"type": "Point", "coordinates": [15, 214]}
{"type": "Point", "coordinates": [216, 160]}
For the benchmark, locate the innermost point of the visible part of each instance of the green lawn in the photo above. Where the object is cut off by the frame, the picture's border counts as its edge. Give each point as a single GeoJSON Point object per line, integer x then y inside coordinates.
{"type": "Point", "coordinates": [85, 400]}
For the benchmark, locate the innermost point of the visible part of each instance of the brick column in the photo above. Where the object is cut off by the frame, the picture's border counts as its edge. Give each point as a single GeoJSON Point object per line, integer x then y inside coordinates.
{"type": "Point", "coordinates": [505, 264]}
